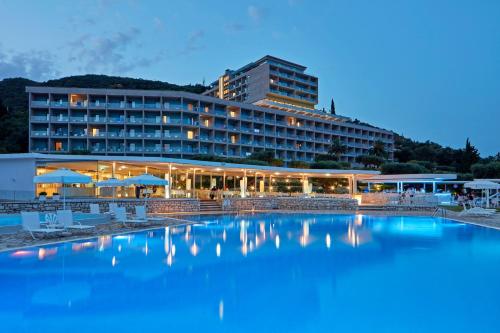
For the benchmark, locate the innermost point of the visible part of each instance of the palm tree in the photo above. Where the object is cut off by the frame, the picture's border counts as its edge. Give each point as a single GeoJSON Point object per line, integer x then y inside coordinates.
{"type": "Point", "coordinates": [337, 148]}
{"type": "Point", "coordinates": [378, 149]}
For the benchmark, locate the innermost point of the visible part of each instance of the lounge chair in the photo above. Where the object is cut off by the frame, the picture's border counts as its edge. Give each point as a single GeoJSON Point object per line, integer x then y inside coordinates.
{"type": "Point", "coordinates": [65, 218]}
{"type": "Point", "coordinates": [477, 211]}
{"type": "Point", "coordinates": [112, 208]}
{"type": "Point", "coordinates": [140, 213]}
{"type": "Point", "coordinates": [94, 209]}
{"type": "Point", "coordinates": [121, 216]}
{"type": "Point", "coordinates": [31, 224]}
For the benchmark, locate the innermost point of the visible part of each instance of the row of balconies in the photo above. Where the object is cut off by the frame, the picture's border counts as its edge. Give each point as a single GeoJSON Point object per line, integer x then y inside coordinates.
{"type": "Point", "coordinates": [176, 135]}
{"type": "Point", "coordinates": [195, 123]}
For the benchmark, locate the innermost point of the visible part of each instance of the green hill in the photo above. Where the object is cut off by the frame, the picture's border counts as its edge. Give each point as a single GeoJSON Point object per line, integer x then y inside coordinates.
{"type": "Point", "coordinates": [14, 101]}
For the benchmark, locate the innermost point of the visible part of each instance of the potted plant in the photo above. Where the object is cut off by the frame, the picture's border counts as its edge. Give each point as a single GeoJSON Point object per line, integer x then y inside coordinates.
{"type": "Point", "coordinates": [55, 196]}
{"type": "Point", "coordinates": [42, 196]}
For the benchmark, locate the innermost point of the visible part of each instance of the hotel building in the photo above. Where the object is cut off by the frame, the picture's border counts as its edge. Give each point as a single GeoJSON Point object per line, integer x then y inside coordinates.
{"type": "Point", "coordinates": [267, 105]}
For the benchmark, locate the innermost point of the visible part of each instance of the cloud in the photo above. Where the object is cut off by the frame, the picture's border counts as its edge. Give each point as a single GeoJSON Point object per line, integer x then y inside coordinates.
{"type": "Point", "coordinates": [193, 43]}
{"type": "Point", "coordinates": [255, 13]}
{"type": "Point", "coordinates": [35, 65]}
{"type": "Point", "coordinates": [158, 23]}
{"type": "Point", "coordinates": [98, 53]}
{"type": "Point", "coordinates": [234, 27]}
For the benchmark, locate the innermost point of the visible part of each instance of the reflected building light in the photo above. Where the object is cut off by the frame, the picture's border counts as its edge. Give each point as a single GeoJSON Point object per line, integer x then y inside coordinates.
{"type": "Point", "coordinates": [120, 248]}
{"type": "Point", "coordinates": [169, 259]}
{"type": "Point", "coordinates": [262, 228]}
{"type": "Point", "coordinates": [217, 250]}
{"type": "Point", "coordinates": [304, 238]}
{"type": "Point", "coordinates": [44, 253]}
{"type": "Point", "coordinates": [358, 220]}
{"type": "Point", "coordinates": [145, 249]}
{"type": "Point", "coordinates": [352, 236]}
{"type": "Point", "coordinates": [194, 249]}
{"type": "Point", "coordinates": [22, 254]}
{"type": "Point", "coordinates": [244, 249]}
{"type": "Point", "coordinates": [113, 261]}
{"type": "Point", "coordinates": [224, 236]}
{"type": "Point", "coordinates": [188, 231]}
{"type": "Point", "coordinates": [166, 241]}
{"type": "Point", "coordinates": [173, 250]}
{"type": "Point", "coordinates": [328, 241]}
{"type": "Point", "coordinates": [104, 242]}
{"type": "Point", "coordinates": [82, 246]}
{"type": "Point", "coordinates": [277, 241]}
{"type": "Point", "coordinates": [221, 309]}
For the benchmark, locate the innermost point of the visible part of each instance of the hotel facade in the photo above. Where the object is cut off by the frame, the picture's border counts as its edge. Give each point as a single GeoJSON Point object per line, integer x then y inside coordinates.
{"type": "Point", "coordinates": [266, 105]}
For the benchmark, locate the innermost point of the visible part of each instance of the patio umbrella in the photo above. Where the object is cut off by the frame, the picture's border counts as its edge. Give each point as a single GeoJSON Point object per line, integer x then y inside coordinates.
{"type": "Point", "coordinates": [146, 179]}
{"type": "Point", "coordinates": [483, 185]}
{"type": "Point", "coordinates": [111, 182]}
{"type": "Point", "coordinates": [62, 176]}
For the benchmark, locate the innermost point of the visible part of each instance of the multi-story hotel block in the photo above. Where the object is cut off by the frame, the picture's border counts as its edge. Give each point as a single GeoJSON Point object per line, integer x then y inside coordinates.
{"type": "Point", "coordinates": [180, 124]}
{"type": "Point", "coordinates": [269, 81]}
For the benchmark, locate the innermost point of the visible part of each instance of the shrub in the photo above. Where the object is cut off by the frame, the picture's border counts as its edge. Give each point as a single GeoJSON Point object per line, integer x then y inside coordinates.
{"type": "Point", "coordinates": [370, 160]}
{"type": "Point", "coordinates": [299, 164]}
{"type": "Point", "coordinates": [326, 165]}
{"type": "Point", "coordinates": [42, 193]}
{"type": "Point", "coordinates": [486, 170]}
{"type": "Point", "coordinates": [426, 164]}
{"type": "Point", "coordinates": [400, 168]}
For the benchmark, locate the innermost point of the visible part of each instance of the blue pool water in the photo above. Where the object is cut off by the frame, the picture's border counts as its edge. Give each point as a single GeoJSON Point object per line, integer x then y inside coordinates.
{"type": "Point", "coordinates": [15, 219]}
{"type": "Point", "coordinates": [262, 273]}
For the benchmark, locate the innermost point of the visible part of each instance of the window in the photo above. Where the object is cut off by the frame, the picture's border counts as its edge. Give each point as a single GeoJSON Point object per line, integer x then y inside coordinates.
{"type": "Point", "coordinates": [190, 134]}
{"type": "Point", "coordinates": [58, 146]}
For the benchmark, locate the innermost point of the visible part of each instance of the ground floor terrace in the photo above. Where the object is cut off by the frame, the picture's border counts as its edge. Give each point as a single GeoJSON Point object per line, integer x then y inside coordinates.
{"type": "Point", "coordinates": [186, 178]}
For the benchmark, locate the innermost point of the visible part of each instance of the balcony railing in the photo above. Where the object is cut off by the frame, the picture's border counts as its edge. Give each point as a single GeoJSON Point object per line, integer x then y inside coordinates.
{"type": "Point", "coordinates": [40, 133]}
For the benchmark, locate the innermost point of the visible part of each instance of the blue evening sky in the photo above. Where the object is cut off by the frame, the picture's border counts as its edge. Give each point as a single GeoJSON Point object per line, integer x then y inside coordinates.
{"type": "Point", "coordinates": [429, 69]}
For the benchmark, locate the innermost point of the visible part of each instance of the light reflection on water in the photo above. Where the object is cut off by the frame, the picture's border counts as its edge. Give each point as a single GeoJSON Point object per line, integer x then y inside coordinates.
{"type": "Point", "coordinates": [265, 273]}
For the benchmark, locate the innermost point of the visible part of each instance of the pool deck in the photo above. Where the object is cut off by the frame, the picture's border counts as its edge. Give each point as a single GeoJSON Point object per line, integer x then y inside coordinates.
{"type": "Point", "coordinates": [13, 238]}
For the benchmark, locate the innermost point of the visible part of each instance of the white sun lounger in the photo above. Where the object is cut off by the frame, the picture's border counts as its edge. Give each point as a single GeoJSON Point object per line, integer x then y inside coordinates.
{"type": "Point", "coordinates": [112, 208]}
{"type": "Point", "coordinates": [94, 209]}
{"type": "Point", "coordinates": [140, 213]}
{"type": "Point", "coordinates": [121, 216]}
{"type": "Point", "coordinates": [65, 218]}
{"type": "Point", "coordinates": [477, 211]}
{"type": "Point", "coordinates": [31, 224]}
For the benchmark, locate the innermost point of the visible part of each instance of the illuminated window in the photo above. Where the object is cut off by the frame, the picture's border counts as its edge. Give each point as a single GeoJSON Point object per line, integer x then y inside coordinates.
{"type": "Point", "coordinates": [190, 107]}
{"type": "Point", "coordinates": [232, 114]}
{"type": "Point", "coordinates": [95, 132]}
{"type": "Point", "coordinates": [233, 139]}
{"type": "Point", "coordinates": [58, 145]}
{"type": "Point", "coordinates": [190, 134]}
{"type": "Point", "coordinates": [206, 122]}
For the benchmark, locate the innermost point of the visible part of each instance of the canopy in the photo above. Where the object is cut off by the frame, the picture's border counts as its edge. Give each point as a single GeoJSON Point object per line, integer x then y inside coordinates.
{"type": "Point", "coordinates": [62, 176]}
{"type": "Point", "coordinates": [482, 185]}
{"type": "Point", "coordinates": [145, 179]}
{"type": "Point", "coordinates": [111, 182]}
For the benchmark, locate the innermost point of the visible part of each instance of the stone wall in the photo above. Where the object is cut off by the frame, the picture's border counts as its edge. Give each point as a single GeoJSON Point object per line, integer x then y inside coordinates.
{"type": "Point", "coordinates": [83, 205]}
{"type": "Point", "coordinates": [289, 203]}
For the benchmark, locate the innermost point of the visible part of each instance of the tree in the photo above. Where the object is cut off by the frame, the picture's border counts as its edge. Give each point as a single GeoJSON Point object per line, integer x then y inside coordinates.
{"type": "Point", "coordinates": [401, 168]}
{"type": "Point", "coordinates": [337, 148]}
{"type": "Point", "coordinates": [378, 149]}
{"type": "Point", "coordinates": [332, 107]}
{"type": "Point", "coordinates": [486, 170]}
{"type": "Point", "coordinates": [470, 156]}
{"type": "Point", "coordinates": [370, 160]}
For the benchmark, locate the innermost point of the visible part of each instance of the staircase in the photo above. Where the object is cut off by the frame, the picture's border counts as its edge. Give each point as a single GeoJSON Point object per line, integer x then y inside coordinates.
{"type": "Point", "coordinates": [210, 206]}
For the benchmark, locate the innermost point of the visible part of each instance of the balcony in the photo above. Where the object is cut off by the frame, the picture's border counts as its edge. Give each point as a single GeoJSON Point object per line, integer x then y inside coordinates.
{"type": "Point", "coordinates": [60, 119]}
{"type": "Point", "coordinates": [152, 106]}
{"type": "Point", "coordinates": [97, 104]}
{"type": "Point", "coordinates": [134, 120]}
{"type": "Point", "coordinates": [39, 133]}
{"type": "Point", "coordinates": [156, 120]}
{"type": "Point", "coordinates": [134, 134]}
{"type": "Point", "coordinates": [152, 135]}
{"type": "Point", "coordinates": [116, 134]}
{"type": "Point", "coordinates": [59, 104]}
{"type": "Point", "coordinates": [97, 149]}
{"type": "Point", "coordinates": [79, 104]}
{"type": "Point", "coordinates": [59, 134]}
{"type": "Point", "coordinates": [40, 103]}
{"type": "Point", "coordinates": [97, 119]}
{"type": "Point", "coordinates": [116, 120]}
{"type": "Point", "coordinates": [45, 118]}
{"type": "Point", "coordinates": [82, 119]}
{"type": "Point", "coordinates": [98, 134]}
{"type": "Point", "coordinates": [114, 105]}
{"type": "Point", "coordinates": [40, 149]}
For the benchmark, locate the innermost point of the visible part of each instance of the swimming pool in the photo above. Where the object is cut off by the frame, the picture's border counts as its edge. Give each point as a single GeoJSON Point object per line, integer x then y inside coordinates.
{"type": "Point", "coordinates": [262, 273]}
{"type": "Point", "coordinates": [15, 219]}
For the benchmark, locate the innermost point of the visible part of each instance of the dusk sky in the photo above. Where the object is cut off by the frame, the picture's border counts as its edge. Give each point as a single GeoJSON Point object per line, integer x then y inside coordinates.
{"type": "Point", "coordinates": [427, 69]}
